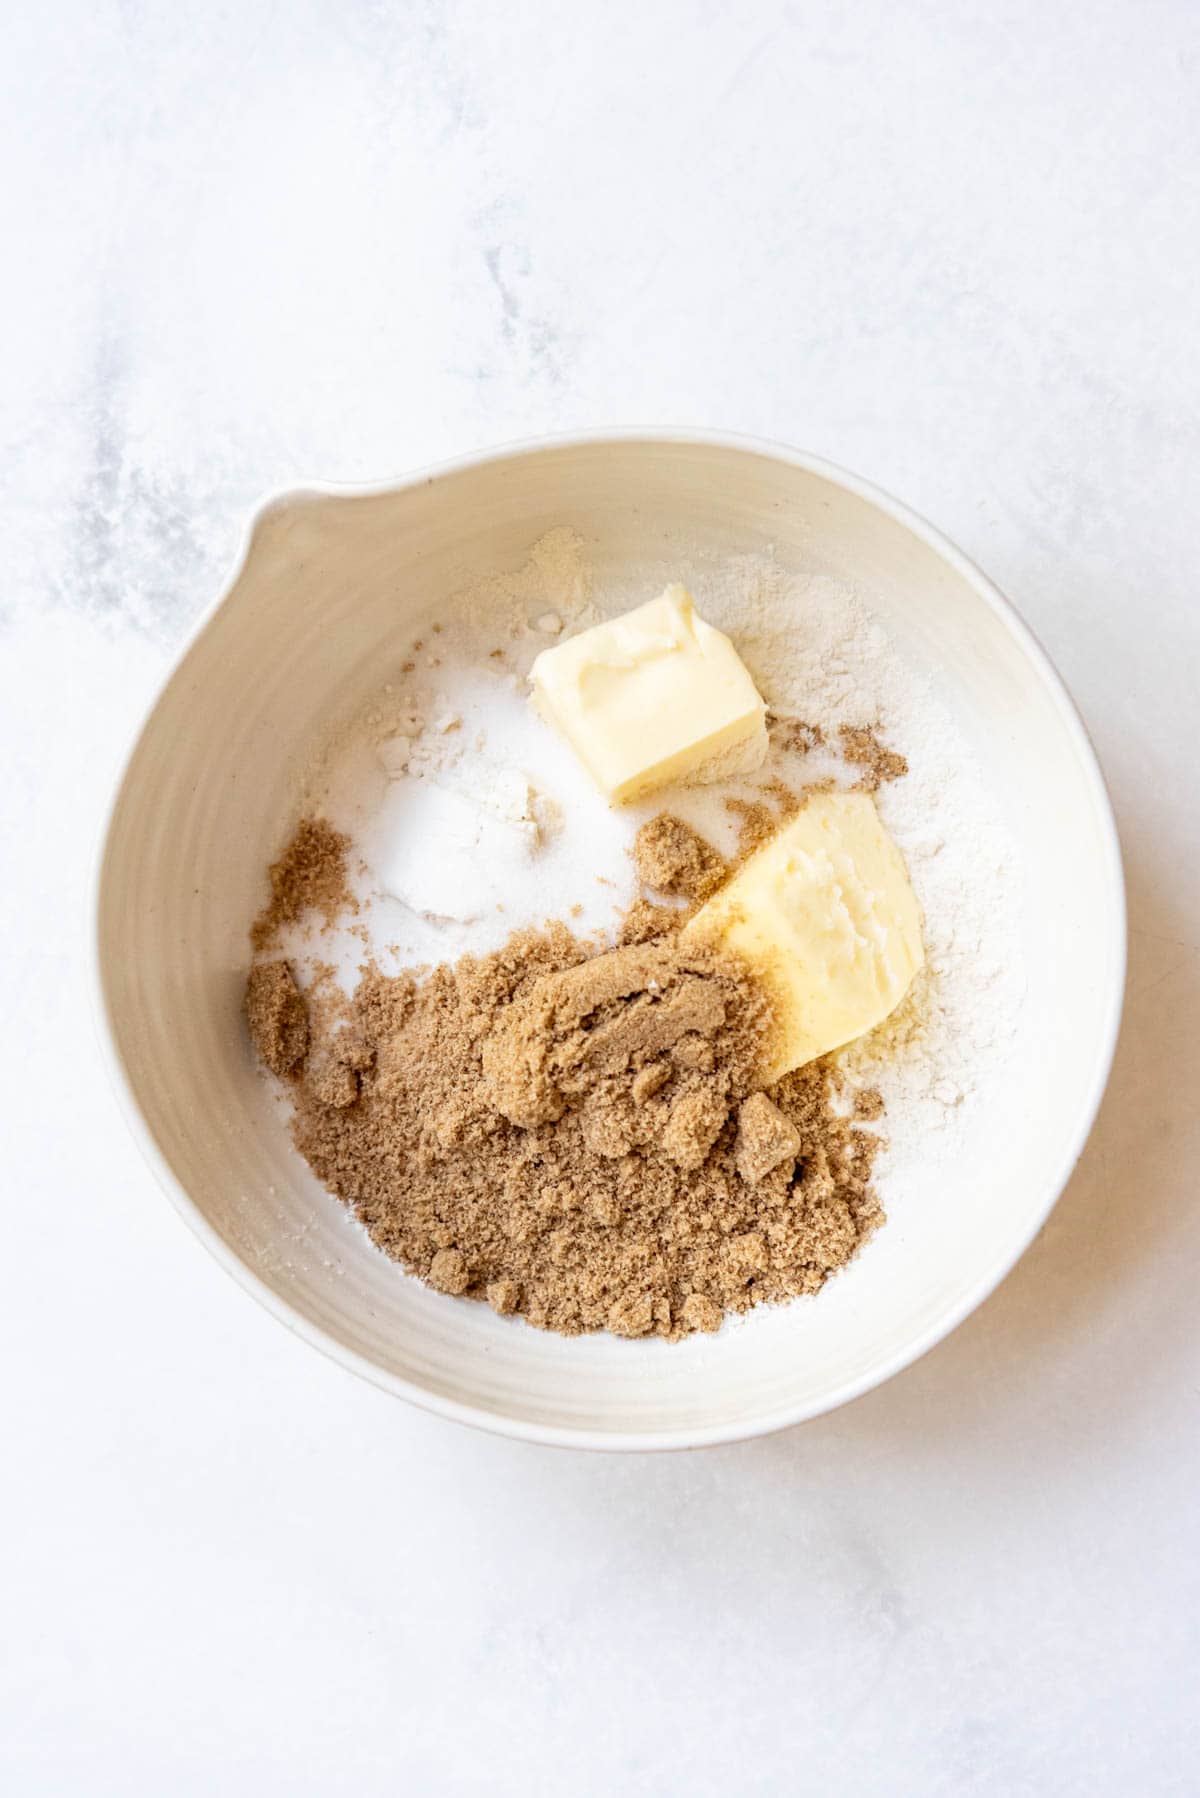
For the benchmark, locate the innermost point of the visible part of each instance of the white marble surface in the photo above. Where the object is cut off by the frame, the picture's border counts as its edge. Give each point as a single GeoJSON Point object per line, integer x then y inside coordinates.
{"type": "Point", "coordinates": [956, 247]}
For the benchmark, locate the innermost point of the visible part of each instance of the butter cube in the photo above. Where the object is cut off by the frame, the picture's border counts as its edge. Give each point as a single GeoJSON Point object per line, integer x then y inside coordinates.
{"type": "Point", "coordinates": [653, 696]}
{"type": "Point", "coordinates": [825, 915]}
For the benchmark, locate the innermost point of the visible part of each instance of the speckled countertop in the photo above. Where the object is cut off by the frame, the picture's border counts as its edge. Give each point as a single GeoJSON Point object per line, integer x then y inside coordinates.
{"type": "Point", "coordinates": [956, 248]}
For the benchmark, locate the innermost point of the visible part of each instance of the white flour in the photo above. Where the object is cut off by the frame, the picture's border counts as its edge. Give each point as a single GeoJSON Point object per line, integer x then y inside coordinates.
{"type": "Point", "coordinates": [472, 819]}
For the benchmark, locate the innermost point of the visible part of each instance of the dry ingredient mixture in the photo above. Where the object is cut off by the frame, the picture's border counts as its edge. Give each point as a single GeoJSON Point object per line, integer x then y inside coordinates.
{"type": "Point", "coordinates": [570, 1133]}
{"type": "Point", "coordinates": [471, 1023]}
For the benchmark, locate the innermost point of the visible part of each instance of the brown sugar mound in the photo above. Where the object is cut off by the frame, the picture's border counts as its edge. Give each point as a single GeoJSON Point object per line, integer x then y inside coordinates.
{"type": "Point", "coordinates": [310, 875]}
{"type": "Point", "coordinates": [575, 1136]}
{"type": "Point", "coordinates": [672, 858]}
{"type": "Point", "coordinates": [580, 1138]}
{"type": "Point", "coordinates": [277, 1016]}
{"type": "Point", "coordinates": [766, 1138]}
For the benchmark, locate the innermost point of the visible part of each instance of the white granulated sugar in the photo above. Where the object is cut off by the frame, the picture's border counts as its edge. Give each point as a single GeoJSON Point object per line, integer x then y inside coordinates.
{"type": "Point", "coordinates": [472, 831]}
{"type": "Point", "coordinates": [473, 819]}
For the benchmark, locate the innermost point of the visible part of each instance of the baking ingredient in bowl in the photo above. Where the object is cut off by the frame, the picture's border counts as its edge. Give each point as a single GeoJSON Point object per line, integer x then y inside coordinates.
{"type": "Point", "coordinates": [436, 839]}
{"type": "Point", "coordinates": [825, 915]}
{"type": "Point", "coordinates": [276, 1015]}
{"type": "Point", "coordinates": [583, 1138]}
{"type": "Point", "coordinates": [654, 696]}
{"type": "Point", "coordinates": [310, 875]}
{"type": "Point", "coordinates": [674, 859]}
{"type": "Point", "coordinates": [860, 745]}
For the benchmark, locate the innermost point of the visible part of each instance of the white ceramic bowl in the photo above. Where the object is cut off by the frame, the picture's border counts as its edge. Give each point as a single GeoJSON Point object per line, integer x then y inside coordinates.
{"type": "Point", "coordinates": [320, 599]}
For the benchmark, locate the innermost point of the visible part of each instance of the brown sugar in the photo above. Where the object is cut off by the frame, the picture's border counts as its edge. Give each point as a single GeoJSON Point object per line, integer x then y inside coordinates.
{"type": "Point", "coordinates": [673, 858]}
{"type": "Point", "coordinates": [766, 1138]}
{"type": "Point", "coordinates": [757, 824]}
{"type": "Point", "coordinates": [868, 1104]}
{"type": "Point", "coordinates": [579, 1137]}
{"type": "Point", "coordinates": [277, 1016]}
{"type": "Point", "coordinates": [333, 1081]}
{"type": "Point", "coordinates": [644, 920]}
{"type": "Point", "coordinates": [861, 746]}
{"type": "Point", "coordinates": [573, 1134]}
{"type": "Point", "coordinates": [796, 735]}
{"type": "Point", "coordinates": [310, 875]}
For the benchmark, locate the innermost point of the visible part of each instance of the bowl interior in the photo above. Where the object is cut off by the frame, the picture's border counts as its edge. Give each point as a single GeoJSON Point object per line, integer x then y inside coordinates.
{"type": "Point", "coordinates": [327, 586]}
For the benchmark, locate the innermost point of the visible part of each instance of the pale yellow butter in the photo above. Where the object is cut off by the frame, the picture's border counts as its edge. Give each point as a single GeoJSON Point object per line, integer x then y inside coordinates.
{"type": "Point", "coordinates": [651, 697]}
{"type": "Point", "coordinates": [825, 914]}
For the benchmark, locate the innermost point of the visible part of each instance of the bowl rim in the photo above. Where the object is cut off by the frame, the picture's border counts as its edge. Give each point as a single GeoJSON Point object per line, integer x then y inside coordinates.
{"type": "Point", "coordinates": [497, 1423]}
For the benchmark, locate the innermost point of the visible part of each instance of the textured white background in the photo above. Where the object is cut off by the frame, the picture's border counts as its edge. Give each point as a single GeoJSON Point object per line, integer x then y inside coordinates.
{"type": "Point", "coordinates": [952, 244]}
